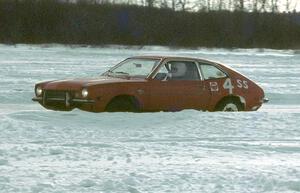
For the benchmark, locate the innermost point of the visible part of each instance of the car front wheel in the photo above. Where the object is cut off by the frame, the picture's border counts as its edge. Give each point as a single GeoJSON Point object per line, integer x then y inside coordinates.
{"type": "Point", "coordinates": [230, 105]}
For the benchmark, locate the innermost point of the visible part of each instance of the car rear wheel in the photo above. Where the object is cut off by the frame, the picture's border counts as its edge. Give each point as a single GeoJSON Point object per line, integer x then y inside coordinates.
{"type": "Point", "coordinates": [122, 104]}
{"type": "Point", "coordinates": [230, 105]}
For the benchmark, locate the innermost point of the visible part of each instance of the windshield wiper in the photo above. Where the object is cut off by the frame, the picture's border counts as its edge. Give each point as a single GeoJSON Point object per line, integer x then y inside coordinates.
{"type": "Point", "coordinates": [125, 73]}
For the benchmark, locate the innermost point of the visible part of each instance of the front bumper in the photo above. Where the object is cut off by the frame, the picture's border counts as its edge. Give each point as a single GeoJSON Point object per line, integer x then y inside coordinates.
{"type": "Point", "coordinates": [67, 101]}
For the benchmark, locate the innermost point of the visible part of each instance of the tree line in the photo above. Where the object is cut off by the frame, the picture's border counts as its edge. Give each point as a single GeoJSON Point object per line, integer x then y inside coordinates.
{"type": "Point", "coordinates": [209, 5]}
{"type": "Point", "coordinates": [106, 22]}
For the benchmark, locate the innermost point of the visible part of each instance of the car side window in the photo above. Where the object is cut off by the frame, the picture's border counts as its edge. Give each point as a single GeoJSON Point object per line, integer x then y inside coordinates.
{"type": "Point", "coordinates": [211, 72]}
{"type": "Point", "coordinates": [179, 70]}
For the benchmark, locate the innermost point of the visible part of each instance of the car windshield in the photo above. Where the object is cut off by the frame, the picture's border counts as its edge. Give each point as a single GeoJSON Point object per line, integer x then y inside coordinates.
{"type": "Point", "coordinates": [134, 67]}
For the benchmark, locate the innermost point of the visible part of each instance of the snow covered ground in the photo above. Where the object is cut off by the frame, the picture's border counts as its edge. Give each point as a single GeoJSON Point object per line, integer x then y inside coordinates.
{"type": "Point", "coordinates": [187, 151]}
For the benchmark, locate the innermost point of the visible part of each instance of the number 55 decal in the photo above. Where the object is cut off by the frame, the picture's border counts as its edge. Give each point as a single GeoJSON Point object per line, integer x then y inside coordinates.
{"type": "Point", "coordinates": [228, 85]}
{"type": "Point", "coordinates": [242, 84]}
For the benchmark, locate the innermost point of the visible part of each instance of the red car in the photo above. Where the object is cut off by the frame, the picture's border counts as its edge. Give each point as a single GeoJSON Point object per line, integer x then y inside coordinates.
{"type": "Point", "coordinates": [155, 83]}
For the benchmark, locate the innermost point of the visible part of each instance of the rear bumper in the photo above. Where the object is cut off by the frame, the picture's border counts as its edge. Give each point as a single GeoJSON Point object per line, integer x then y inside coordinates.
{"type": "Point", "coordinates": [265, 100]}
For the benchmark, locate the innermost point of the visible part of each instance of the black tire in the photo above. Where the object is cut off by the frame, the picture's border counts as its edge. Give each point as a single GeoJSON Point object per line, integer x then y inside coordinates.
{"type": "Point", "coordinates": [230, 105]}
{"type": "Point", "coordinates": [121, 104]}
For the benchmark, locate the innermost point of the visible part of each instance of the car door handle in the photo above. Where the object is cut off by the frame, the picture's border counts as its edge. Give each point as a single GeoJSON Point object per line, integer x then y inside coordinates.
{"type": "Point", "coordinates": [140, 91]}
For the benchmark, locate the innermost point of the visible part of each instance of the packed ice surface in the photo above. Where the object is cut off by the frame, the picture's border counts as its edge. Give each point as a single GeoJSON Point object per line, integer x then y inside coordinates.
{"type": "Point", "coordinates": [187, 151]}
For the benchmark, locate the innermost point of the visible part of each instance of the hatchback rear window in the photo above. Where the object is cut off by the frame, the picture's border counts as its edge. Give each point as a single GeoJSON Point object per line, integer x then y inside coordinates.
{"type": "Point", "coordinates": [211, 72]}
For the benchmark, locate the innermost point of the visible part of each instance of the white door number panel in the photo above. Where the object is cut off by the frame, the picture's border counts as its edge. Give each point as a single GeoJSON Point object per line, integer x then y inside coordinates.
{"type": "Point", "coordinates": [214, 86]}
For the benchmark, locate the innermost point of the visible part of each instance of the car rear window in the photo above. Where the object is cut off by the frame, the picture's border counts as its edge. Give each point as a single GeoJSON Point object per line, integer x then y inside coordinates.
{"type": "Point", "coordinates": [211, 72]}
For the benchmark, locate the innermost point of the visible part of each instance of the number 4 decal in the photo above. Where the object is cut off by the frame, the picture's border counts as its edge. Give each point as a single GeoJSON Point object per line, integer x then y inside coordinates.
{"type": "Point", "coordinates": [228, 85]}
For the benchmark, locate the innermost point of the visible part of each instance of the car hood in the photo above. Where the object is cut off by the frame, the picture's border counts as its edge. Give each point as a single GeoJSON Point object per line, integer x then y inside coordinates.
{"type": "Point", "coordinates": [75, 84]}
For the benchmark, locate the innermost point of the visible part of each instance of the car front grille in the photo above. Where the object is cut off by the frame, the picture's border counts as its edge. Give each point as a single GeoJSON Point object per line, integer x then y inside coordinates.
{"type": "Point", "coordinates": [52, 94]}
{"type": "Point", "coordinates": [56, 98]}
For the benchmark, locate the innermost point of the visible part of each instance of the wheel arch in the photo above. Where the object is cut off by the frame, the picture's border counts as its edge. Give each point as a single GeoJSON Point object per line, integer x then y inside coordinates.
{"type": "Point", "coordinates": [133, 100]}
{"type": "Point", "coordinates": [237, 98]}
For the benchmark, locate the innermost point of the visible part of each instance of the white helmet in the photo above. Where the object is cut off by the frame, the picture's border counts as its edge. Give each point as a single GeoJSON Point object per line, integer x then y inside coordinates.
{"type": "Point", "coordinates": [178, 69]}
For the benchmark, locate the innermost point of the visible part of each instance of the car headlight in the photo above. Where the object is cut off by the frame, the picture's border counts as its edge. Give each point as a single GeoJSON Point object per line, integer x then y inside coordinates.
{"type": "Point", "coordinates": [38, 91]}
{"type": "Point", "coordinates": [84, 92]}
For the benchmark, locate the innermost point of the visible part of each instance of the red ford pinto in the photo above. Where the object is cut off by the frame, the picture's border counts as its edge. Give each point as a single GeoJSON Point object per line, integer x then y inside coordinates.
{"type": "Point", "coordinates": [155, 83]}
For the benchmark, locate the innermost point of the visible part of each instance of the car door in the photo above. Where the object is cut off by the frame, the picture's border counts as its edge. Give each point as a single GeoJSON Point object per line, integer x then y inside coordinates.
{"type": "Point", "coordinates": [176, 89]}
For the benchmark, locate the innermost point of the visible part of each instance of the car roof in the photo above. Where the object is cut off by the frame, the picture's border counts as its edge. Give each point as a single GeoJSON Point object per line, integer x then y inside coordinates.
{"type": "Point", "coordinates": [172, 58]}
